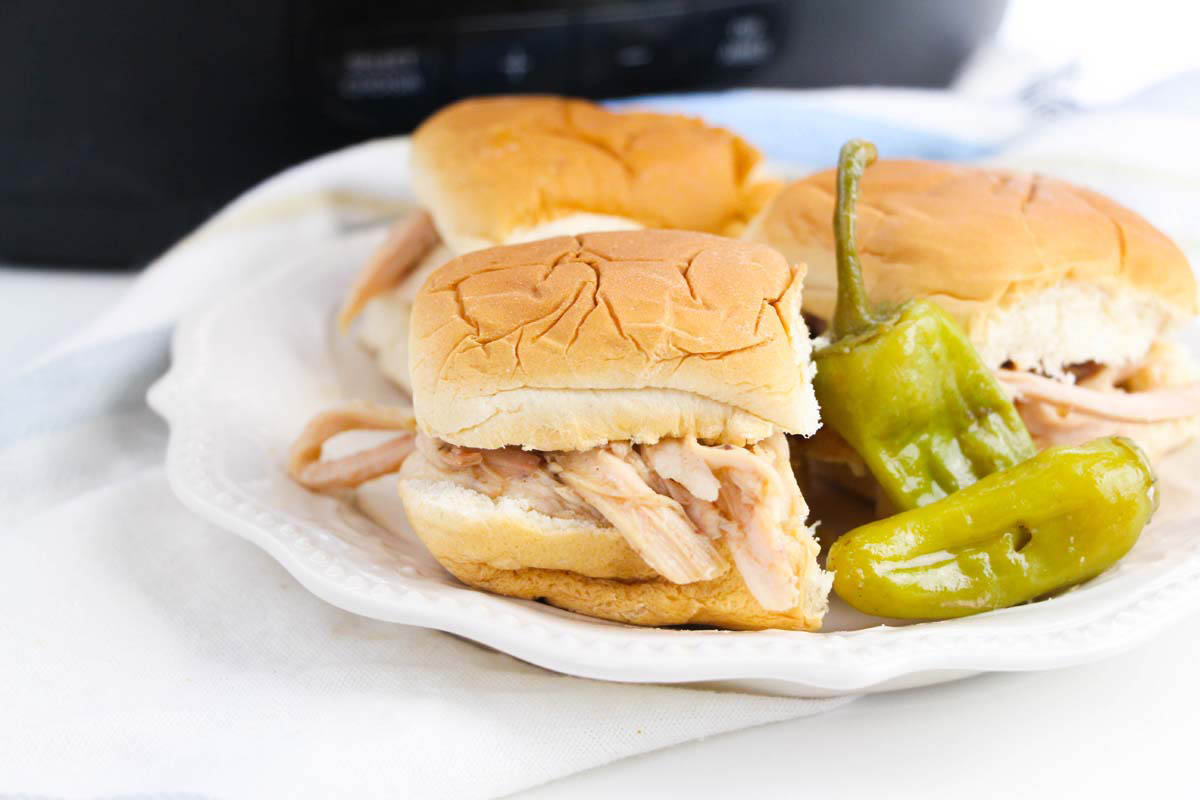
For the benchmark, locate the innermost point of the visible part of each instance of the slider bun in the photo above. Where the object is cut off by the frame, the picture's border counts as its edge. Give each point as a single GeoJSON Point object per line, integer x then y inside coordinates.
{"type": "Point", "coordinates": [1038, 271]}
{"type": "Point", "coordinates": [572, 342]}
{"type": "Point", "coordinates": [582, 566]}
{"type": "Point", "coordinates": [490, 168]}
{"type": "Point", "coordinates": [386, 317]}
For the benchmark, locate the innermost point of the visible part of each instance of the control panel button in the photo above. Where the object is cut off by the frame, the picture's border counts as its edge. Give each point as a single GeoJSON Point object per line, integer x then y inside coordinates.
{"type": "Point", "coordinates": [631, 48]}
{"type": "Point", "coordinates": [517, 54]}
{"type": "Point", "coordinates": [383, 78]}
{"type": "Point", "coordinates": [745, 41]}
{"type": "Point", "coordinates": [393, 72]}
{"type": "Point", "coordinates": [731, 40]}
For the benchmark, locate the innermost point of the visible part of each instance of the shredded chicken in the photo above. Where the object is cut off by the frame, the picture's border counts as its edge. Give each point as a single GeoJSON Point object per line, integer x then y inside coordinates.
{"type": "Point", "coordinates": [407, 242]}
{"type": "Point", "coordinates": [682, 461]}
{"type": "Point", "coordinates": [687, 479]}
{"type": "Point", "coordinates": [757, 511]}
{"type": "Point", "coordinates": [1107, 400]}
{"type": "Point", "coordinates": [654, 525]}
{"type": "Point", "coordinates": [1156, 405]}
{"type": "Point", "coordinates": [670, 500]}
{"type": "Point", "coordinates": [759, 527]}
{"type": "Point", "coordinates": [307, 469]}
{"type": "Point", "coordinates": [505, 463]}
{"type": "Point", "coordinates": [507, 472]}
{"type": "Point", "coordinates": [1051, 425]}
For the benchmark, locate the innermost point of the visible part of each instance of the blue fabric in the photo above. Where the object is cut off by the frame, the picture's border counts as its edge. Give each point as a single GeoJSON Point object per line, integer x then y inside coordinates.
{"type": "Point", "coordinates": [788, 128]}
{"type": "Point", "coordinates": [106, 378]}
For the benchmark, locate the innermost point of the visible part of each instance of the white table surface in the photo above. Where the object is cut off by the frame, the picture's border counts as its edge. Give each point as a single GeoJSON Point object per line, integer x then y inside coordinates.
{"type": "Point", "coordinates": [1125, 727]}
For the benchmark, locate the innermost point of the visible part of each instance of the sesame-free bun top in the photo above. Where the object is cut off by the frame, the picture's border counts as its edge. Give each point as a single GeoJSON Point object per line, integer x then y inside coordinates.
{"type": "Point", "coordinates": [489, 169]}
{"type": "Point", "coordinates": [571, 342]}
{"type": "Point", "coordinates": [1039, 271]}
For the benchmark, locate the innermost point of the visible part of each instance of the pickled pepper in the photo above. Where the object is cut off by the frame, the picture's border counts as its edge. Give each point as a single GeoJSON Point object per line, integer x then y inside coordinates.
{"type": "Point", "coordinates": [1053, 521]}
{"type": "Point", "coordinates": [905, 388]}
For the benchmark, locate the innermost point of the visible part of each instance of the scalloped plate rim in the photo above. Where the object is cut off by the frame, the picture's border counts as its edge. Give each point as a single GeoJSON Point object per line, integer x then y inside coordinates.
{"type": "Point", "coordinates": [802, 663]}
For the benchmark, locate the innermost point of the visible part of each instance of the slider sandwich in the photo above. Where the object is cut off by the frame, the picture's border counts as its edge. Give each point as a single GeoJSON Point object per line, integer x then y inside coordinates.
{"type": "Point", "coordinates": [599, 423]}
{"type": "Point", "coordinates": [1070, 298]}
{"type": "Point", "coordinates": [504, 170]}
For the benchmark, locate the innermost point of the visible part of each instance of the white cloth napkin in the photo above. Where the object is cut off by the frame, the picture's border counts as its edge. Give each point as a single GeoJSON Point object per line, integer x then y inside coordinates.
{"type": "Point", "coordinates": [143, 650]}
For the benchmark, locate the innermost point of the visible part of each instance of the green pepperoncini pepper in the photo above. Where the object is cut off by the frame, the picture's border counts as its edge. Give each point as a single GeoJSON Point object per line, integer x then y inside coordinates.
{"type": "Point", "coordinates": [906, 389]}
{"type": "Point", "coordinates": [1051, 522]}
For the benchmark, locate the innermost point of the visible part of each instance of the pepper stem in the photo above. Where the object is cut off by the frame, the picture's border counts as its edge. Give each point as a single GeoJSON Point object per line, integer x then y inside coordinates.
{"type": "Point", "coordinates": [852, 314]}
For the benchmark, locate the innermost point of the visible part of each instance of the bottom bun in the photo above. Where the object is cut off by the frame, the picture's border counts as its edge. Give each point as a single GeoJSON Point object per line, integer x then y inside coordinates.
{"type": "Point", "coordinates": [1160, 439]}
{"type": "Point", "coordinates": [384, 332]}
{"type": "Point", "coordinates": [385, 318]}
{"type": "Point", "coordinates": [582, 566]}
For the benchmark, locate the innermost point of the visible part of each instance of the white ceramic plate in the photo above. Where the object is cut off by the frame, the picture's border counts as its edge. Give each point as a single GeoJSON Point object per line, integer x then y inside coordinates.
{"type": "Point", "coordinates": [247, 374]}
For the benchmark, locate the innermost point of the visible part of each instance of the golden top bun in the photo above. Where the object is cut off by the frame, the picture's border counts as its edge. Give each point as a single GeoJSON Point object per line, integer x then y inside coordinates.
{"type": "Point", "coordinates": [992, 247]}
{"type": "Point", "coordinates": [571, 342]}
{"type": "Point", "coordinates": [490, 168]}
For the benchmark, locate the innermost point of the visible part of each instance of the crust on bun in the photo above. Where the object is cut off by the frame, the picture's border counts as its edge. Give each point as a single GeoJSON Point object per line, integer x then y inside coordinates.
{"type": "Point", "coordinates": [1041, 273]}
{"type": "Point", "coordinates": [572, 342]}
{"type": "Point", "coordinates": [495, 170]}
